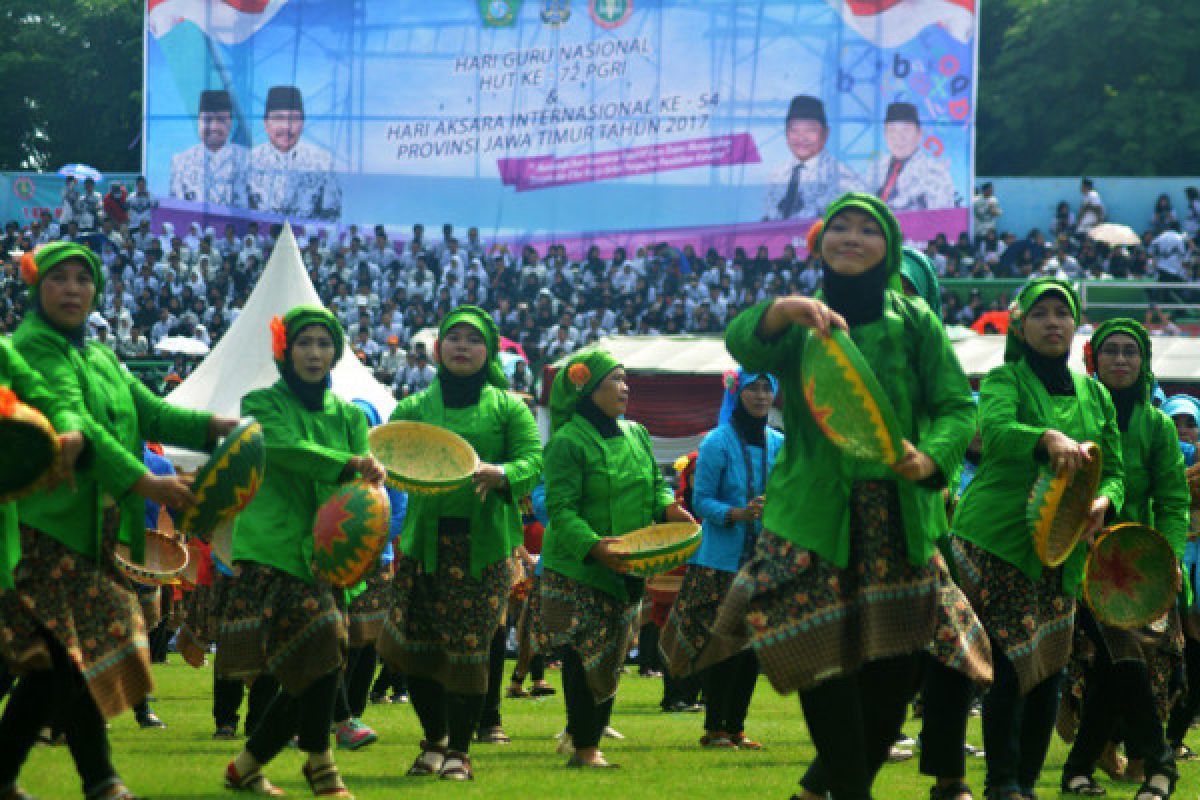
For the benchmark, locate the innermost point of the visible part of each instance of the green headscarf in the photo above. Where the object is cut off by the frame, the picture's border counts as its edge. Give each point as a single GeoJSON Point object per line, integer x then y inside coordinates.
{"type": "Point", "coordinates": [916, 268]}
{"type": "Point", "coordinates": [1136, 331]}
{"type": "Point", "coordinates": [49, 256]}
{"type": "Point", "coordinates": [1033, 292]}
{"type": "Point", "coordinates": [578, 378]}
{"type": "Point", "coordinates": [298, 319]}
{"type": "Point", "coordinates": [481, 321]}
{"type": "Point", "coordinates": [878, 210]}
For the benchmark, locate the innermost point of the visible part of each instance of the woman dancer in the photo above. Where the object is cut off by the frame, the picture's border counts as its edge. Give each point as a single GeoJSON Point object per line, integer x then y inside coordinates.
{"type": "Point", "coordinates": [452, 583]}
{"type": "Point", "coordinates": [601, 482]}
{"type": "Point", "coordinates": [842, 593]}
{"type": "Point", "coordinates": [1119, 683]}
{"type": "Point", "coordinates": [279, 618]}
{"type": "Point", "coordinates": [731, 478]}
{"type": "Point", "coordinates": [1184, 411]}
{"type": "Point", "coordinates": [1034, 411]}
{"type": "Point", "coordinates": [75, 631]}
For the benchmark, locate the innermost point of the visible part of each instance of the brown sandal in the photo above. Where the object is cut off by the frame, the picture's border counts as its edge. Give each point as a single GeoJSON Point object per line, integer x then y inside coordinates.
{"type": "Point", "coordinates": [253, 781]}
{"type": "Point", "coordinates": [326, 781]}
{"type": "Point", "coordinates": [493, 735]}
{"type": "Point", "coordinates": [429, 762]}
{"type": "Point", "coordinates": [456, 767]}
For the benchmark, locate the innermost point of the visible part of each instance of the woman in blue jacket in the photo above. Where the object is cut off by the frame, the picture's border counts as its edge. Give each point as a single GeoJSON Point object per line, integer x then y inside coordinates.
{"type": "Point", "coordinates": [731, 477]}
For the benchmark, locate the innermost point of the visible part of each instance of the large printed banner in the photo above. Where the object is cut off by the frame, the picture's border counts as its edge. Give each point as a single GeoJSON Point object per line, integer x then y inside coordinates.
{"type": "Point", "coordinates": [606, 121]}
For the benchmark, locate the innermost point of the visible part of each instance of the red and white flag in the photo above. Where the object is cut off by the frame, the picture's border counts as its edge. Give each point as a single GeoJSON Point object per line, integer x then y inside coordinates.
{"type": "Point", "coordinates": [891, 23]}
{"type": "Point", "coordinates": [226, 21]}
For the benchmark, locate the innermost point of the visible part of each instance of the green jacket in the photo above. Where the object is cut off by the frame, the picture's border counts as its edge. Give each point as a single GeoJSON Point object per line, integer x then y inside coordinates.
{"type": "Point", "coordinates": [807, 499]}
{"type": "Point", "coordinates": [1015, 410]}
{"type": "Point", "coordinates": [503, 432]}
{"type": "Point", "coordinates": [118, 413]}
{"type": "Point", "coordinates": [307, 452]}
{"type": "Point", "coordinates": [17, 375]}
{"type": "Point", "coordinates": [597, 487]}
{"type": "Point", "coordinates": [1156, 491]}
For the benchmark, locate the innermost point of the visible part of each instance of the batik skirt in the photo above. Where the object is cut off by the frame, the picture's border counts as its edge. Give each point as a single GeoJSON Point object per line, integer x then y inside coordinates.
{"type": "Point", "coordinates": [368, 611]}
{"type": "Point", "coordinates": [688, 644]}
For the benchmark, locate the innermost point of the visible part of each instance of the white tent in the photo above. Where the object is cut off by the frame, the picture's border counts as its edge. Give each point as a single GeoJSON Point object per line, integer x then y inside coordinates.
{"type": "Point", "coordinates": [242, 360]}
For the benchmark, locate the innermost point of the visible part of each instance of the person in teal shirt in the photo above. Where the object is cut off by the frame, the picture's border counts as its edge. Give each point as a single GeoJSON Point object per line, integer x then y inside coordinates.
{"type": "Point", "coordinates": [601, 482]}
{"type": "Point", "coordinates": [452, 581]}
{"type": "Point", "coordinates": [279, 618]}
{"type": "Point", "coordinates": [1034, 413]}
{"type": "Point", "coordinates": [842, 596]}
{"type": "Point", "coordinates": [1119, 683]}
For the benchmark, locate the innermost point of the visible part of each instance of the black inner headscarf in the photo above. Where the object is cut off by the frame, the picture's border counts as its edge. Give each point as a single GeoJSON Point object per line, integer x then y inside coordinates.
{"type": "Point", "coordinates": [1124, 400]}
{"type": "Point", "coordinates": [752, 429]}
{"type": "Point", "coordinates": [462, 391]}
{"type": "Point", "coordinates": [605, 425]}
{"type": "Point", "coordinates": [858, 298]}
{"type": "Point", "coordinates": [76, 337]}
{"type": "Point", "coordinates": [311, 395]}
{"type": "Point", "coordinates": [1052, 371]}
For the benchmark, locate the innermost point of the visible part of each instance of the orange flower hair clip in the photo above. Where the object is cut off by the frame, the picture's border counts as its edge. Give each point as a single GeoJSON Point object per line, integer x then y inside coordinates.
{"type": "Point", "coordinates": [29, 269]}
{"type": "Point", "coordinates": [1089, 358]}
{"type": "Point", "coordinates": [278, 338]}
{"type": "Point", "coordinates": [814, 233]}
{"type": "Point", "coordinates": [8, 402]}
{"type": "Point", "coordinates": [579, 375]}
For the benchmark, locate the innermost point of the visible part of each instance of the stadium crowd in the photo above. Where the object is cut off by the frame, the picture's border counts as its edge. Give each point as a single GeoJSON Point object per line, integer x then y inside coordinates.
{"type": "Point", "coordinates": [192, 283]}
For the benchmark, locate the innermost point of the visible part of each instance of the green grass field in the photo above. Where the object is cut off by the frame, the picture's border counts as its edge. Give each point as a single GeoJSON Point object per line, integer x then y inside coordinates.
{"type": "Point", "coordinates": [659, 759]}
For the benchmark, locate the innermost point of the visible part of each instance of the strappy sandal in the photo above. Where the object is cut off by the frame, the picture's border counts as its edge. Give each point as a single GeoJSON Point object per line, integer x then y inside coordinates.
{"type": "Point", "coordinates": [116, 791]}
{"type": "Point", "coordinates": [600, 763]}
{"type": "Point", "coordinates": [542, 690]}
{"type": "Point", "coordinates": [456, 767]}
{"type": "Point", "coordinates": [1148, 791]}
{"type": "Point", "coordinates": [950, 791]}
{"type": "Point", "coordinates": [326, 781]}
{"type": "Point", "coordinates": [516, 692]}
{"type": "Point", "coordinates": [429, 762]}
{"type": "Point", "coordinates": [717, 740]}
{"type": "Point", "coordinates": [493, 735]}
{"type": "Point", "coordinates": [254, 782]}
{"type": "Point", "coordinates": [1082, 786]}
{"type": "Point", "coordinates": [1185, 753]}
{"type": "Point", "coordinates": [743, 742]}
{"type": "Point", "coordinates": [17, 793]}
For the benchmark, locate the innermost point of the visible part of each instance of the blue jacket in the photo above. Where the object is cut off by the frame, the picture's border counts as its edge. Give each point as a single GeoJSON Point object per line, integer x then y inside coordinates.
{"type": "Point", "coordinates": [721, 485]}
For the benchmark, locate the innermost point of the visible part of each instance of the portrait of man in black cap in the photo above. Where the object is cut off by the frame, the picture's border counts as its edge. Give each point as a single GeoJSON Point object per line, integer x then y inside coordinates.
{"type": "Point", "coordinates": [289, 176]}
{"type": "Point", "coordinates": [907, 177]}
{"type": "Point", "coordinates": [812, 178]}
{"type": "Point", "coordinates": [213, 171]}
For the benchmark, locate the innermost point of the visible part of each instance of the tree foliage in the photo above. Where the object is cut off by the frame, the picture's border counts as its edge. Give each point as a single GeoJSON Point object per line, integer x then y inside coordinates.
{"type": "Point", "coordinates": [1066, 87]}
{"type": "Point", "coordinates": [71, 83]}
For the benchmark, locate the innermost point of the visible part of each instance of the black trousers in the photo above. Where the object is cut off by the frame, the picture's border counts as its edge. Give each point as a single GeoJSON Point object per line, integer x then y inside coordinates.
{"type": "Point", "coordinates": [947, 704]}
{"type": "Point", "coordinates": [160, 637]}
{"type": "Point", "coordinates": [307, 715]}
{"type": "Point", "coordinates": [853, 720]}
{"type": "Point", "coordinates": [59, 697]}
{"type": "Point", "coordinates": [355, 683]}
{"type": "Point", "coordinates": [227, 699]}
{"type": "Point", "coordinates": [1016, 728]}
{"type": "Point", "coordinates": [648, 656]}
{"type": "Point", "coordinates": [389, 680]}
{"type": "Point", "coordinates": [1189, 704]}
{"type": "Point", "coordinates": [490, 716]}
{"type": "Point", "coordinates": [586, 719]}
{"type": "Point", "coordinates": [1117, 692]}
{"type": "Point", "coordinates": [728, 687]}
{"type": "Point", "coordinates": [445, 715]}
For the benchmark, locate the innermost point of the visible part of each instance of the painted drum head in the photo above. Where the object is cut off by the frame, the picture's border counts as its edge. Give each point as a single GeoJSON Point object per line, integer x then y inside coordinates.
{"type": "Point", "coordinates": [1129, 581]}
{"type": "Point", "coordinates": [658, 548]}
{"type": "Point", "coordinates": [228, 481]}
{"type": "Point", "coordinates": [1059, 505]}
{"type": "Point", "coordinates": [846, 400]}
{"type": "Point", "coordinates": [423, 458]}
{"type": "Point", "coordinates": [350, 531]}
{"type": "Point", "coordinates": [166, 560]}
{"type": "Point", "coordinates": [25, 431]}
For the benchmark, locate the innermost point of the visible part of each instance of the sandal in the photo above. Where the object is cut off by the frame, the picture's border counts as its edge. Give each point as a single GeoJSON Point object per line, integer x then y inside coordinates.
{"type": "Point", "coordinates": [17, 793]}
{"type": "Point", "coordinates": [1149, 791]}
{"type": "Point", "coordinates": [950, 792]}
{"type": "Point", "coordinates": [326, 781]}
{"type": "Point", "coordinates": [116, 791]}
{"type": "Point", "coordinates": [254, 782]}
{"type": "Point", "coordinates": [542, 690]}
{"type": "Point", "coordinates": [743, 742]}
{"type": "Point", "coordinates": [516, 691]}
{"type": "Point", "coordinates": [456, 767]}
{"type": "Point", "coordinates": [430, 762]}
{"type": "Point", "coordinates": [1185, 753]}
{"type": "Point", "coordinates": [717, 740]}
{"type": "Point", "coordinates": [493, 735]}
{"type": "Point", "coordinates": [600, 763]}
{"type": "Point", "coordinates": [1083, 786]}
